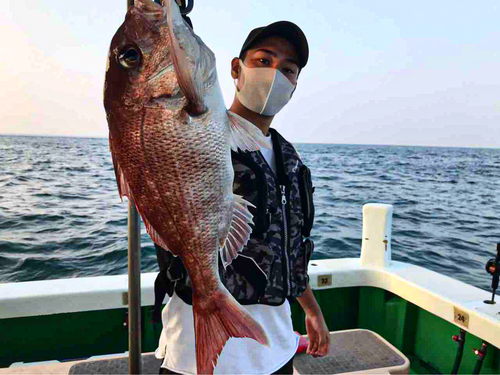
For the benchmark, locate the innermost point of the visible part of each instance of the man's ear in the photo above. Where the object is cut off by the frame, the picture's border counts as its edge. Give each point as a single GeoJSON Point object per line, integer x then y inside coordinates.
{"type": "Point", "coordinates": [235, 67]}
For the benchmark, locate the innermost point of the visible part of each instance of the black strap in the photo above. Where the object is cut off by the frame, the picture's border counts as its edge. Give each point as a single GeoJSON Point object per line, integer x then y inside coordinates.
{"type": "Point", "coordinates": [163, 284]}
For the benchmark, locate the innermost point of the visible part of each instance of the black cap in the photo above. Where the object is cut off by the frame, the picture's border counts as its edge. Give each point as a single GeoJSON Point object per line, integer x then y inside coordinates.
{"type": "Point", "coordinates": [284, 29]}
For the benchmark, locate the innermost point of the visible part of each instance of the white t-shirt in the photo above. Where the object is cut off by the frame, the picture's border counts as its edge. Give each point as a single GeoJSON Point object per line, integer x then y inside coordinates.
{"type": "Point", "coordinates": [240, 355]}
{"type": "Point", "coordinates": [269, 154]}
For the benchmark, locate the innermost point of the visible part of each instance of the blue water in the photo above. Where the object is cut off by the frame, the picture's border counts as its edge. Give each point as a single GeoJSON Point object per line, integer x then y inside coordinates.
{"type": "Point", "coordinates": [61, 216]}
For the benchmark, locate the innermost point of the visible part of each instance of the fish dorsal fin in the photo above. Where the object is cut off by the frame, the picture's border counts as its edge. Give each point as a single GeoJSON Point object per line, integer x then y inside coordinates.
{"type": "Point", "coordinates": [245, 135]}
{"type": "Point", "coordinates": [239, 231]}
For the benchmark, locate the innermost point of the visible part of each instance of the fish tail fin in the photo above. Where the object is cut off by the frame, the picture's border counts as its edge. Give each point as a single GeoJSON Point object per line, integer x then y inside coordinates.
{"type": "Point", "coordinates": [245, 135]}
{"type": "Point", "coordinates": [216, 319]}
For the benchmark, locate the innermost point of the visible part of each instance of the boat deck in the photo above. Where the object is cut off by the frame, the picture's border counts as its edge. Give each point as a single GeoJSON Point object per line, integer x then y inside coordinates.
{"type": "Point", "coordinates": [114, 364]}
{"type": "Point", "coordinates": [352, 351]}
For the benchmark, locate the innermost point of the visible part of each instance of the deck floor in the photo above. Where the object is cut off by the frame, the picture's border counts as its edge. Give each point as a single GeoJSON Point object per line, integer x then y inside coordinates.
{"type": "Point", "coordinates": [107, 365]}
{"type": "Point", "coordinates": [351, 351]}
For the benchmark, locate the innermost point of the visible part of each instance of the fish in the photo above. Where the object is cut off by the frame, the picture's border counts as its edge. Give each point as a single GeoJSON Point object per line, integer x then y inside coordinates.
{"type": "Point", "coordinates": [170, 138]}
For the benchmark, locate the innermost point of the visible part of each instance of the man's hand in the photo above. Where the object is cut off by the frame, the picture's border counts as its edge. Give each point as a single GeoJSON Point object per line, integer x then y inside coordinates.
{"type": "Point", "coordinates": [319, 336]}
{"type": "Point", "coordinates": [317, 331]}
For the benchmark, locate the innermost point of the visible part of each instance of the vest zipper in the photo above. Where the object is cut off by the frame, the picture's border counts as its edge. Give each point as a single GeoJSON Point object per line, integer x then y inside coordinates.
{"type": "Point", "coordinates": [285, 230]}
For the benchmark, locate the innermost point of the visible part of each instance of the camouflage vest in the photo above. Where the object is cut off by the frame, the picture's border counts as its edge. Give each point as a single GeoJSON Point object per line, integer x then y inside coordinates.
{"type": "Point", "coordinates": [273, 265]}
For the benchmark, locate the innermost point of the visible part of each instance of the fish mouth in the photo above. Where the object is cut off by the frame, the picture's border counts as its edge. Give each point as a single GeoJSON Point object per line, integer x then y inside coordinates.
{"type": "Point", "coordinates": [167, 99]}
{"type": "Point", "coordinates": [171, 101]}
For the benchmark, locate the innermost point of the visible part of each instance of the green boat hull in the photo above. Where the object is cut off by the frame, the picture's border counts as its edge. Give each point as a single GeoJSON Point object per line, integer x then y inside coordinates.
{"type": "Point", "coordinates": [423, 337]}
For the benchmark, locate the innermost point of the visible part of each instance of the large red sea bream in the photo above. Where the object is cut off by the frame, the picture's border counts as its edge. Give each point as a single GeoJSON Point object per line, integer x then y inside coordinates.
{"type": "Point", "coordinates": [171, 138]}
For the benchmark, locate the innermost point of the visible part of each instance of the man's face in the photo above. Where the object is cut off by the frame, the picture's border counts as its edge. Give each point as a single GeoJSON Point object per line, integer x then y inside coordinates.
{"type": "Point", "coordinates": [274, 52]}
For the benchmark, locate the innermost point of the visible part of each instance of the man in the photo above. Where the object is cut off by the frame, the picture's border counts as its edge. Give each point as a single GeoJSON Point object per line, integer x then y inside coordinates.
{"type": "Point", "coordinates": [273, 265]}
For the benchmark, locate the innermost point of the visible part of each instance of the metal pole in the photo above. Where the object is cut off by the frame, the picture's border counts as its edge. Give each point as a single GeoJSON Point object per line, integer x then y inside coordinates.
{"type": "Point", "coordinates": [134, 290]}
{"type": "Point", "coordinates": [134, 283]}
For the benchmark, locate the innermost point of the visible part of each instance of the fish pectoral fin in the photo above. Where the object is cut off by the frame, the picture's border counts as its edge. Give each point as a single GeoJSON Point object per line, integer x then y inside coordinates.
{"type": "Point", "coordinates": [239, 231]}
{"type": "Point", "coordinates": [192, 70]}
{"type": "Point", "coordinates": [245, 135]}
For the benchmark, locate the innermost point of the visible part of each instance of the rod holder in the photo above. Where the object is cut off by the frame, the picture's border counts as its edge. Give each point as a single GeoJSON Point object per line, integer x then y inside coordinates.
{"type": "Point", "coordinates": [481, 354]}
{"type": "Point", "coordinates": [493, 268]}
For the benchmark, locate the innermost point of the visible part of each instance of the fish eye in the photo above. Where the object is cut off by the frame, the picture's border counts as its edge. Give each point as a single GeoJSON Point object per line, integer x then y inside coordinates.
{"type": "Point", "coordinates": [129, 57]}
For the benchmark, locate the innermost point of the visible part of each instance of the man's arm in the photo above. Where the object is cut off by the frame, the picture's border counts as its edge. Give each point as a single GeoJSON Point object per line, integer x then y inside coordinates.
{"type": "Point", "coordinates": [319, 336]}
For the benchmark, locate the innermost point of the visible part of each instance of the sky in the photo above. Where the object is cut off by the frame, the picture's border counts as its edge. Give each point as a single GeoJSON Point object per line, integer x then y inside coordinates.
{"type": "Point", "coordinates": [380, 72]}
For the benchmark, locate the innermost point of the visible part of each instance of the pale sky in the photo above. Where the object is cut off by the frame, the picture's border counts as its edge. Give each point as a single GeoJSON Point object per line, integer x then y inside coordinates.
{"type": "Point", "coordinates": [380, 72]}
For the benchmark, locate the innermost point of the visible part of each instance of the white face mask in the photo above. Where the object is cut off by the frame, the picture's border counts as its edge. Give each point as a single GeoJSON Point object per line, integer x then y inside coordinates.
{"type": "Point", "coordinates": [265, 90]}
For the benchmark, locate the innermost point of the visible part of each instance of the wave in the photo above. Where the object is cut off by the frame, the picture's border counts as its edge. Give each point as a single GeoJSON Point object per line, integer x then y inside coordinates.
{"type": "Point", "coordinates": [60, 215]}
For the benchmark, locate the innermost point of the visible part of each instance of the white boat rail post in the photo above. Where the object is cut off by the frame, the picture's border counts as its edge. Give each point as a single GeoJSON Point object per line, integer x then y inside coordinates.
{"type": "Point", "coordinates": [134, 283]}
{"type": "Point", "coordinates": [377, 230]}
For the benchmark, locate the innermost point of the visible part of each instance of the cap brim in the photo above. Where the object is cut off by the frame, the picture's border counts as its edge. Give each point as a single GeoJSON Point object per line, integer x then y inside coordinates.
{"type": "Point", "coordinates": [286, 30]}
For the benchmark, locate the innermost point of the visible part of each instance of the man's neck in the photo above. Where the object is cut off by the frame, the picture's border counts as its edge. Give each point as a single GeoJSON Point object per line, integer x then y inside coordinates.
{"type": "Point", "coordinates": [260, 121]}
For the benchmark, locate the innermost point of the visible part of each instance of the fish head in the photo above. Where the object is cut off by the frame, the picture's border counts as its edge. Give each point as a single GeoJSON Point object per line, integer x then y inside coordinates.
{"type": "Point", "coordinates": [140, 70]}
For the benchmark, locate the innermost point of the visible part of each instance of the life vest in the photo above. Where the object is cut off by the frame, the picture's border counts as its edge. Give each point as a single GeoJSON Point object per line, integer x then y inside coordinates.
{"type": "Point", "coordinates": [273, 264]}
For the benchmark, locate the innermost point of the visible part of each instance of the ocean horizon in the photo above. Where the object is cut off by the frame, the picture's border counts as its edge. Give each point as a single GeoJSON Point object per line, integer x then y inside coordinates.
{"type": "Point", "coordinates": [306, 143]}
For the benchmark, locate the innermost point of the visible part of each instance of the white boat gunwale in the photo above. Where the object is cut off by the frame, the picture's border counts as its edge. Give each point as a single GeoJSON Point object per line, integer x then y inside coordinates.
{"type": "Point", "coordinates": [429, 290]}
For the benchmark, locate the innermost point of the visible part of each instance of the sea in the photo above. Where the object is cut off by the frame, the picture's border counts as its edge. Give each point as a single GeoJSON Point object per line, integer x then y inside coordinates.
{"type": "Point", "coordinates": [61, 215]}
